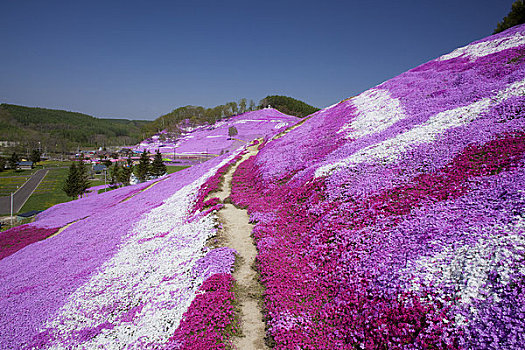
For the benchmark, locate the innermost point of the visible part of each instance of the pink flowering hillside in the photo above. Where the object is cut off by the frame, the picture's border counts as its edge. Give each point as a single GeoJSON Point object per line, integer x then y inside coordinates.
{"type": "Point", "coordinates": [214, 139]}
{"type": "Point", "coordinates": [396, 219]}
{"type": "Point", "coordinates": [127, 269]}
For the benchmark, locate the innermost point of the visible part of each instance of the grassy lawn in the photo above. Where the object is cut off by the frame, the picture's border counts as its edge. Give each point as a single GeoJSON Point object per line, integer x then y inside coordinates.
{"type": "Point", "coordinates": [49, 192]}
{"type": "Point", "coordinates": [11, 179]}
{"type": "Point", "coordinates": [174, 168]}
{"type": "Point", "coordinates": [11, 183]}
{"type": "Point", "coordinates": [11, 172]}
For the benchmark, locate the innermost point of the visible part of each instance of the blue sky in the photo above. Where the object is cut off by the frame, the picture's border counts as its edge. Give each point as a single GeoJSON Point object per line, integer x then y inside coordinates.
{"type": "Point", "coordinates": [142, 59]}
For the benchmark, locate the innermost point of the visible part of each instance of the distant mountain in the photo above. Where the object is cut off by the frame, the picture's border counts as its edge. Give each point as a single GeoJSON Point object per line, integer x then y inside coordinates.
{"type": "Point", "coordinates": [62, 130]}
{"type": "Point", "coordinates": [288, 105]}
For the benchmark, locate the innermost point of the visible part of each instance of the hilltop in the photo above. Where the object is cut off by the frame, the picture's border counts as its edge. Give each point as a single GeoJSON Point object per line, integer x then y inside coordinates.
{"type": "Point", "coordinates": [213, 140]}
{"type": "Point", "coordinates": [59, 130]}
{"type": "Point", "coordinates": [394, 219]}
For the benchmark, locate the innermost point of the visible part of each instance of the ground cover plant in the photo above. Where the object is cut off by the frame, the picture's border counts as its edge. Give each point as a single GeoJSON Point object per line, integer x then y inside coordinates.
{"type": "Point", "coordinates": [128, 269]}
{"type": "Point", "coordinates": [396, 219]}
{"type": "Point", "coordinates": [215, 139]}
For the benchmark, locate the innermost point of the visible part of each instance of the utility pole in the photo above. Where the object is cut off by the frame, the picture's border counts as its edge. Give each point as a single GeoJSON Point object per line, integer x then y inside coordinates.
{"type": "Point", "coordinates": [11, 209]}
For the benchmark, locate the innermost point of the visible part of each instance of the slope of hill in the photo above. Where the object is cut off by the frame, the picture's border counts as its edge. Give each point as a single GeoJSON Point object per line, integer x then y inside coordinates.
{"type": "Point", "coordinates": [119, 269]}
{"type": "Point", "coordinates": [396, 219]}
{"type": "Point", "coordinates": [214, 139]}
{"type": "Point", "coordinates": [67, 129]}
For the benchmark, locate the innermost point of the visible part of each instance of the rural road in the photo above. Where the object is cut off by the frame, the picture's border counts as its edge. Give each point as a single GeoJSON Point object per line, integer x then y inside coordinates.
{"type": "Point", "coordinates": [23, 193]}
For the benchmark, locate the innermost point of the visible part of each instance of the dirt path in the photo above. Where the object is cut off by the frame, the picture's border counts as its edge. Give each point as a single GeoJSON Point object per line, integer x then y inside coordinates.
{"type": "Point", "coordinates": [237, 235]}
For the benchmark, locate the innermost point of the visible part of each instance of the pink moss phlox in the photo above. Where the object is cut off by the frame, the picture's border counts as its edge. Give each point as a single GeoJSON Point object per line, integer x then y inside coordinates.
{"type": "Point", "coordinates": [18, 237]}
{"type": "Point", "coordinates": [209, 320]}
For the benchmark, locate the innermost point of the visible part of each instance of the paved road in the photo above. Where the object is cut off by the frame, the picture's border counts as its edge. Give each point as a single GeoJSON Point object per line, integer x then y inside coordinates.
{"type": "Point", "coordinates": [23, 193]}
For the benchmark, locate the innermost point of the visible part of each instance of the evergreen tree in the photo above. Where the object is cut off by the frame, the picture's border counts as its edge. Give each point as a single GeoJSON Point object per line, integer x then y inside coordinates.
{"type": "Point", "coordinates": [157, 166]}
{"type": "Point", "coordinates": [71, 184]}
{"type": "Point", "coordinates": [83, 178]}
{"type": "Point", "coordinates": [35, 156]}
{"type": "Point", "coordinates": [2, 163]}
{"type": "Point", "coordinates": [252, 105]}
{"type": "Point", "coordinates": [13, 161]}
{"type": "Point", "coordinates": [143, 167]}
{"type": "Point", "coordinates": [125, 175]}
{"type": "Point", "coordinates": [114, 178]}
{"type": "Point", "coordinates": [516, 16]}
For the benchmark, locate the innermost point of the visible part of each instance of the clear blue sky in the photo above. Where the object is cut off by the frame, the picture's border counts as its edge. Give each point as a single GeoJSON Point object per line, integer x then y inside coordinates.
{"type": "Point", "coordinates": [142, 59]}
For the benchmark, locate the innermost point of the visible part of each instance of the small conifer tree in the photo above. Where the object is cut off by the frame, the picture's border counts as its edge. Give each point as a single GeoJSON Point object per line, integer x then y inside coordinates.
{"type": "Point", "coordinates": [142, 169]}
{"type": "Point", "coordinates": [157, 166]}
{"type": "Point", "coordinates": [83, 178]}
{"type": "Point", "coordinates": [71, 184]}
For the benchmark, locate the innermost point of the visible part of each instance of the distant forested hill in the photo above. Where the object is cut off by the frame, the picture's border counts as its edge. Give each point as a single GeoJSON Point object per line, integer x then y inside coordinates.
{"type": "Point", "coordinates": [61, 130]}
{"type": "Point", "coordinates": [198, 115]}
{"type": "Point", "coordinates": [288, 105]}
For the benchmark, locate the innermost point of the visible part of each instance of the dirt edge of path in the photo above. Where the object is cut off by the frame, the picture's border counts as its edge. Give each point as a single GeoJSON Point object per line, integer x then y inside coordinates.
{"type": "Point", "coordinates": [236, 233]}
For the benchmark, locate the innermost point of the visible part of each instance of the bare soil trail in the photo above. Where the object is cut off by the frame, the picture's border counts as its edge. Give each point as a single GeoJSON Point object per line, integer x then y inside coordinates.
{"type": "Point", "coordinates": [237, 234]}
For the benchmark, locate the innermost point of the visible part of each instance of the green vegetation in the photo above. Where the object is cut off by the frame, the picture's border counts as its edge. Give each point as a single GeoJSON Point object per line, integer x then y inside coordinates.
{"type": "Point", "coordinates": [516, 16]}
{"type": "Point", "coordinates": [59, 131]}
{"type": "Point", "coordinates": [157, 166]}
{"type": "Point", "coordinates": [288, 105]}
{"type": "Point", "coordinates": [77, 181]}
{"type": "Point", "coordinates": [232, 131]}
{"type": "Point", "coordinates": [49, 192]}
{"type": "Point", "coordinates": [142, 169]}
{"type": "Point", "coordinates": [170, 169]}
{"type": "Point", "coordinates": [197, 115]}
{"type": "Point", "coordinates": [18, 172]}
{"type": "Point", "coordinates": [9, 184]}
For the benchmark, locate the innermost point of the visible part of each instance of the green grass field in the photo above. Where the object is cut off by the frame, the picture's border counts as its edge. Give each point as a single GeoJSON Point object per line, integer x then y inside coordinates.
{"type": "Point", "coordinates": [10, 184]}
{"type": "Point", "coordinates": [174, 168]}
{"type": "Point", "coordinates": [49, 192]}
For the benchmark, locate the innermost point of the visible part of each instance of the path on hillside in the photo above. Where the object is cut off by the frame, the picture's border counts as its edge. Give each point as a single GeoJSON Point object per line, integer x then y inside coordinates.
{"type": "Point", "coordinates": [22, 194]}
{"type": "Point", "coordinates": [237, 234]}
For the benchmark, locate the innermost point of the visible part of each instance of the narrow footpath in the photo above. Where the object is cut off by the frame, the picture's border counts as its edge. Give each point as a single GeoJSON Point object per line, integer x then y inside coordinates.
{"type": "Point", "coordinates": [237, 234]}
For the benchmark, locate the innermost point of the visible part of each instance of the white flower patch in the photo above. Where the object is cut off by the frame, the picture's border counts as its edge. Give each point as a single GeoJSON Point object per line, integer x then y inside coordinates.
{"type": "Point", "coordinates": [280, 125]}
{"type": "Point", "coordinates": [467, 268]}
{"type": "Point", "coordinates": [214, 136]}
{"type": "Point", "coordinates": [390, 150]}
{"type": "Point", "coordinates": [376, 111]}
{"type": "Point", "coordinates": [475, 51]}
{"type": "Point", "coordinates": [152, 271]}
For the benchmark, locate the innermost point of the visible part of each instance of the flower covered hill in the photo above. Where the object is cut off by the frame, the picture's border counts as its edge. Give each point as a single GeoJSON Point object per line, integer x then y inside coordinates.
{"type": "Point", "coordinates": [215, 140]}
{"type": "Point", "coordinates": [396, 219]}
{"type": "Point", "coordinates": [129, 269]}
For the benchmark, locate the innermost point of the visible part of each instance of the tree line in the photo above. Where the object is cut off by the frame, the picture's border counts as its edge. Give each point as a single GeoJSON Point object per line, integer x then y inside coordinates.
{"type": "Point", "coordinates": [77, 181]}
{"type": "Point", "coordinates": [12, 161]}
{"type": "Point", "coordinates": [516, 16]}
